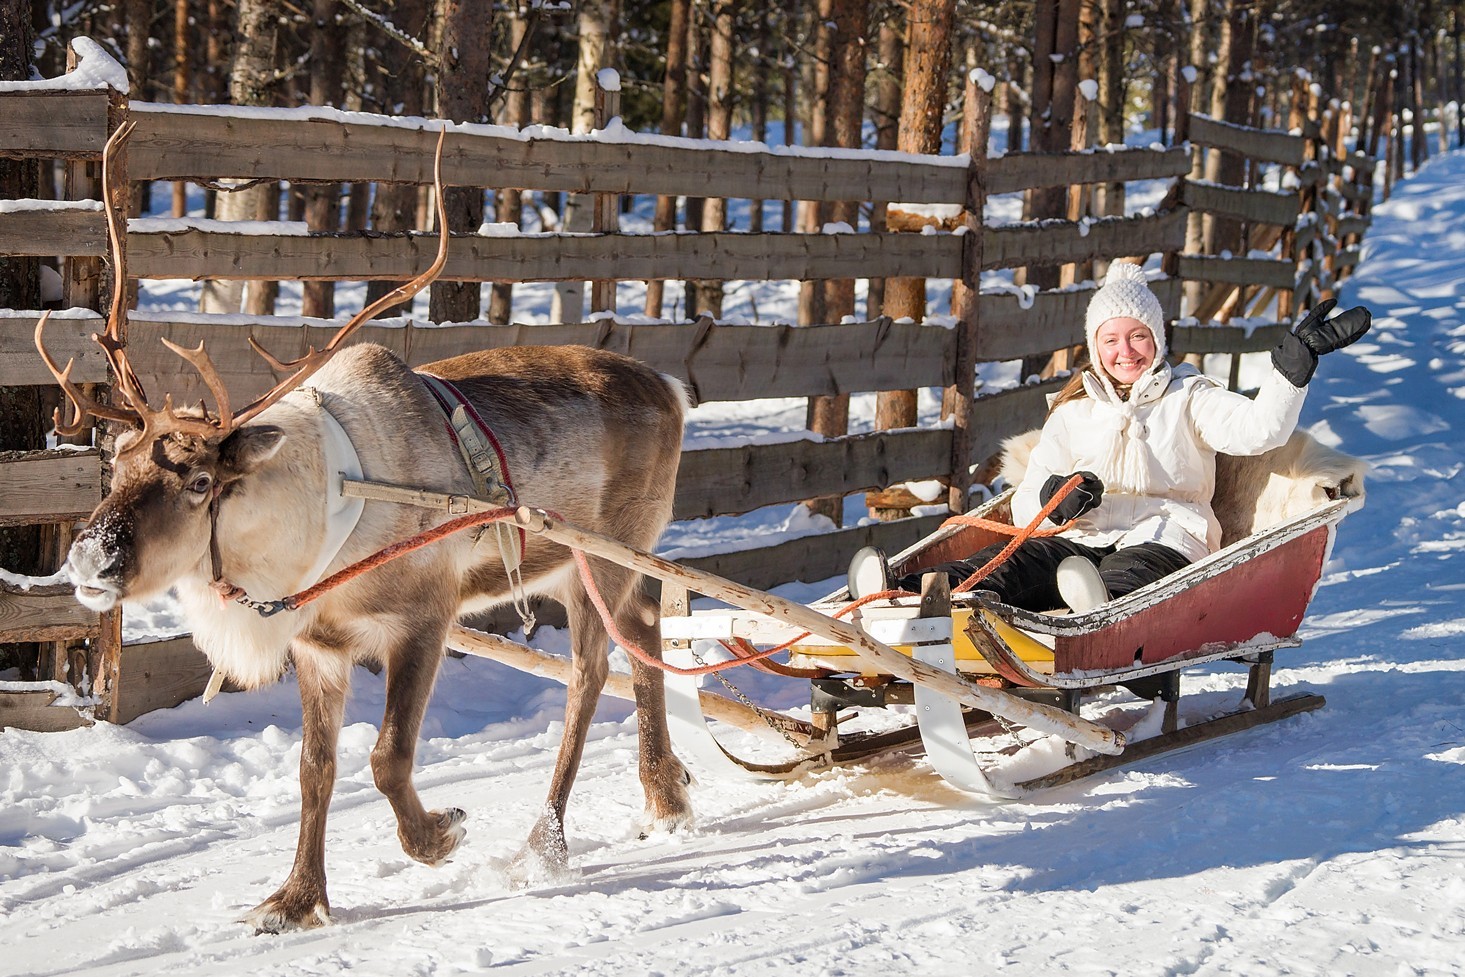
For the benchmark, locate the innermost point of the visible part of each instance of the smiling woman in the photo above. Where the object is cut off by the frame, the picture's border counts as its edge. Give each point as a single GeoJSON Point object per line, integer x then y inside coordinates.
{"type": "Point", "coordinates": [1143, 437]}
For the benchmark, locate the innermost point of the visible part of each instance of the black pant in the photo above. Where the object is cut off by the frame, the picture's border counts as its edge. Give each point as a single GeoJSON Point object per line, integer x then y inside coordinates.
{"type": "Point", "coordinates": [1028, 579]}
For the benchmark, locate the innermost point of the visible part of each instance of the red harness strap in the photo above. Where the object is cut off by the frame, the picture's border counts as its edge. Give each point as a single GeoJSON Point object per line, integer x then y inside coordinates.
{"type": "Point", "coordinates": [449, 398]}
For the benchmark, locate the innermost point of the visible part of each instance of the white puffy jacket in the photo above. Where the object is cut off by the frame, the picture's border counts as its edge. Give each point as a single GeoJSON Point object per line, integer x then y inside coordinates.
{"type": "Point", "coordinates": [1156, 454]}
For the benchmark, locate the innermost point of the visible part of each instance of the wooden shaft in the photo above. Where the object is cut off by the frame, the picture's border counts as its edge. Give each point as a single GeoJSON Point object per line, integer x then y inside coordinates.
{"type": "Point", "coordinates": [1038, 717]}
{"type": "Point", "coordinates": [536, 662]}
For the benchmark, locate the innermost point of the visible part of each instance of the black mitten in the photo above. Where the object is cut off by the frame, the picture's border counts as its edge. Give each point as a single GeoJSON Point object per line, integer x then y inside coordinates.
{"type": "Point", "coordinates": [1323, 335]}
{"type": "Point", "coordinates": [1085, 497]}
{"type": "Point", "coordinates": [1296, 355]}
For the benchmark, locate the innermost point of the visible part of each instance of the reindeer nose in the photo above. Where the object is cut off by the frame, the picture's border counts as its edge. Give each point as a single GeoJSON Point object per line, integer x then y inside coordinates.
{"type": "Point", "coordinates": [89, 560]}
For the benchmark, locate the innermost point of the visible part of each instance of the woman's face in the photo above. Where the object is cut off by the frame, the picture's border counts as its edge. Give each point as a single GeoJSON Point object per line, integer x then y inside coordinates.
{"type": "Point", "coordinates": [1126, 349]}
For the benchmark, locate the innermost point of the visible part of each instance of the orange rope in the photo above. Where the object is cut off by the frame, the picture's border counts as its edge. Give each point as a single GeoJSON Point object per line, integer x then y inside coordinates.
{"type": "Point", "coordinates": [403, 547]}
{"type": "Point", "coordinates": [1019, 536]}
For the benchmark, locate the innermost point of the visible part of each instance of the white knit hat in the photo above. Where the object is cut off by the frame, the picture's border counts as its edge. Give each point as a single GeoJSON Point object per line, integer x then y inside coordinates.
{"type": "Point", "coordinates": [1125, 295]}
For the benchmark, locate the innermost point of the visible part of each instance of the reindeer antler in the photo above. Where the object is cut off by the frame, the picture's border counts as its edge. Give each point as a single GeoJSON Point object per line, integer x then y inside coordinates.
{"type": "Point", "coordinates": [112, 347]}
{"type": "Point", "coordinates": [156, 423]}
{"type": "Point", "coordinates": [303, 368]}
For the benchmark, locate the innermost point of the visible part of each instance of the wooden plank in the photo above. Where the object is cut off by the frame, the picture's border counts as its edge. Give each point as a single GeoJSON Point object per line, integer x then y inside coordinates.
{"type": "Point", "coordinates": [54, 230]}
{"type": "Point", "coordinates": [721, 362]}
{"type": "Point", "coordinates": [1272, 147]}
{"type": "Point", "coordinates": [159, 675]}
{"type": "Point", "coordinates": [1256, 206]}
{"type": "Point", "coordinates": [53, 123]}
{"type": "Point", "coordinates": [1025, 171]}
{"type": "Point", "coordinates": [736, 362]}
{"type": "Point", "coordinates": [1226, 339]}
{"type": "Point", "coordinates": [729, 481]}
{"type": "Point", "coordinates": [999, 416]}
{"type": "Point", "coordinates": [319, 145]}
{"type": "Point", "coordinates": [195, 253]}
{"type": "Point", "coordinates": [44, 617]}
{"type": "Point", "coordinates": [32, 709]}
{"type": "Point", "coordinates": [49, 485]}
{"type": "Point", "coordinates": [1347, 258]}
{"type": "Point", "coordinates": [1238, 271]}
{"type": "Point", "coordinates": [1013, 328]}
{"type": "Point", "coordinates": [1056, 242]}
{"type": "Point", "coordinates": [1355, 224]}
{"type": "Point", "coordinates": [811, 559]}
{"type": "Point", "coordinates": [68, 337]}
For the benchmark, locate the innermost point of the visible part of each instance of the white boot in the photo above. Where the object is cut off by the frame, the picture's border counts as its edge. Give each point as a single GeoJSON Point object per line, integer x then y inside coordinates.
{"type": "Point", "coordinates": [867, 573]}
{"type": "Point", "coordinates": [1080, 584]}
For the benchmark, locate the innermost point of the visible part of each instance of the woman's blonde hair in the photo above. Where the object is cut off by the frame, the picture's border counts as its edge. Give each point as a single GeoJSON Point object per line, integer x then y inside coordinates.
{"type": "Point", "coordinates": [1074, 388]}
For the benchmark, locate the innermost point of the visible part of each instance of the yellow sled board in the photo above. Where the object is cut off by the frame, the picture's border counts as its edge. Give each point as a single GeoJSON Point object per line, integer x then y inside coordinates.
{"type": "Point", "coordinates": [897, 624]}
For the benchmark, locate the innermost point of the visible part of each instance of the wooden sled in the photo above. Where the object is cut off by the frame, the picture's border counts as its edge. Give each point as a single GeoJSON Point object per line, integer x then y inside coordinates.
{"type": "Point", "coordinates": [1239, 604]}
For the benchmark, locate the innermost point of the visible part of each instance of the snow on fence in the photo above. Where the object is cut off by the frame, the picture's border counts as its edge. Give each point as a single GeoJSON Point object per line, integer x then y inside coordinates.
{"type": "Point", "coordinates": [722, 362]}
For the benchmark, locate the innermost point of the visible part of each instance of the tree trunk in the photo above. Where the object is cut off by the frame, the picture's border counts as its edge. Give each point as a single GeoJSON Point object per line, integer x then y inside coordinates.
{"type": "Point", "coordinates": [1235, 100]}
{"type": "Point", "coordinates": [394, 209]}
{"type": "Point", "coordinates": [139, 15]}
{"type": "Point", "coordinates": [1419, 145]}
{"type": "Point", "coordinates": [182, 56]}
{"type": "Point", "coordinates": [1110, 74]}
{"type": "Point", "coordinates": [829, 416]}
{"type": "Point", "coordinates": [814, 214]}
{"type": "Point", "coordinates": [720, 100]}
{"type": "Point", "coordinates": [596, 51]}
{"type": "Point", "coordinates": [464, 67]}
{"type": "Point", "coordinates": [673, 111]}
{"type": "Point", "coordinates": [1055, 97]}
{"type": "Point", "coordinates": [1163, 90]}
{"type": "Point", "coordinates": [922, 109]}
{"type": "Point", "coordinates": [20, 288]}
{"type": "Point", "coordinates": [251, 83]}
{"type": "Point", "coordinates": [886, 113]}
{"type": "Point", "coordinates": [508, 205]}
{"type": "Point", "coordinates": [761, 93]}
{"type": "Point", "coordinates": [323, 201]}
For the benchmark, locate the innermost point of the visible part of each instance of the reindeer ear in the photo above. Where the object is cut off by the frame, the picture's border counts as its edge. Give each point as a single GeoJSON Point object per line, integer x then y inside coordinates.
{"type": "Point", "coordinates": [248, 448]}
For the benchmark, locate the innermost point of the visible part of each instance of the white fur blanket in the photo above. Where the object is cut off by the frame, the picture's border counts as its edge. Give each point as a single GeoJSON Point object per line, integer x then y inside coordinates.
{"type": "Point", "coordinates": [1252, 493]}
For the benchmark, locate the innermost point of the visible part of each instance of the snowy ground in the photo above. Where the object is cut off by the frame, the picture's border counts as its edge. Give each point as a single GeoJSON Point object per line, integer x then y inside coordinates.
{"type": "Point", "coordinates": [1331, 843]}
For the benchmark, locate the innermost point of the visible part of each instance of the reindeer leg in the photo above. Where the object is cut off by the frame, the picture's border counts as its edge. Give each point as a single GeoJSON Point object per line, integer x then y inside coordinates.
{"type": "Point", "coordinates": [663, 778]}
{"type": "Point", "coordinates": [545, 853]}
{"type": "Point", "coordinates": [427, 836]}
{"type": "Point", "coordinates": [301, 902]}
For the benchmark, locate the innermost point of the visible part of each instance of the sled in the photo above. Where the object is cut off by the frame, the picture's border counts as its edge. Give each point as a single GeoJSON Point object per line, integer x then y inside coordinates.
{"type": "Point", "coordinates": [1240, 604]}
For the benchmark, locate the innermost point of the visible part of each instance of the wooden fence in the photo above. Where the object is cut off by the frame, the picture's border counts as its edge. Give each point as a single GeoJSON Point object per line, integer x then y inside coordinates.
{"type": "Point", "coordinates": [721, 362]}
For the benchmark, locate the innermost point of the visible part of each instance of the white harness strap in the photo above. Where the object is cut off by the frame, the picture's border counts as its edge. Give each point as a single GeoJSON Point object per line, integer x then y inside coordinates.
{"type": "Point", "coordinates": [342, 512]}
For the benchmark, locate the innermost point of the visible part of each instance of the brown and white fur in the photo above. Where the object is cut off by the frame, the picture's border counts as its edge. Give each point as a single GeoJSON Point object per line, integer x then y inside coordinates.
{"type": "Point", "coordinates": [592, 435]}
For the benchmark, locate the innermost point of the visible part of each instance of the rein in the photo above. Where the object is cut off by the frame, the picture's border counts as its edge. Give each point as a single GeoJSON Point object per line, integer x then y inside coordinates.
{"type": "Point", "coordinates": [743, 652]}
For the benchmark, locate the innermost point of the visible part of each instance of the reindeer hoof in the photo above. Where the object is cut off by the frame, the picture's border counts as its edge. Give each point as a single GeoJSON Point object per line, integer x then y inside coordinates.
{"type": "Point", "coordinates": [444, 833]}
{"type": "Point", "coordinates": [545, 858]}
{"type": "Point", "coordinates": [282, 912]}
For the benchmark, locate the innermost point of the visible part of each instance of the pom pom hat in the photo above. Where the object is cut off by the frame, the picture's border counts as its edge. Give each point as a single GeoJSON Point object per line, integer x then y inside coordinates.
{"type": "Point", "coordinates": [1126, 295]}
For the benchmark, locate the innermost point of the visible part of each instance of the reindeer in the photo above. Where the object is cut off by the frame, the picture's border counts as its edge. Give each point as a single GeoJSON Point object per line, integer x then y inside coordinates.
{"type": "Point", "coordinates": [201, 497]}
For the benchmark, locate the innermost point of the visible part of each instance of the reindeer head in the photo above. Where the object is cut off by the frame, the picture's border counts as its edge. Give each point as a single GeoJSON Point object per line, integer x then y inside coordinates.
{"type": "Point", "coordinates": [172, 465]}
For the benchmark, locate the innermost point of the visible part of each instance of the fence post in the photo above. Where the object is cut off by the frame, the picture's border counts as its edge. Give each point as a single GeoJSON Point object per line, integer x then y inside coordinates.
{"type": "Point", "coordinates": [606, 217]}
{"type": "Point", "coordinates": [104, 661]}
{"type": "Point", "coordinates": [958, 399]}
